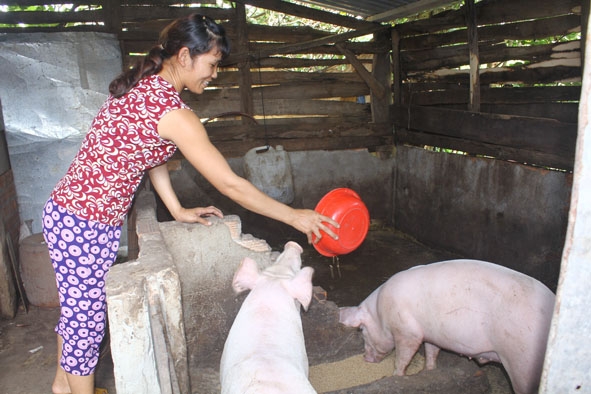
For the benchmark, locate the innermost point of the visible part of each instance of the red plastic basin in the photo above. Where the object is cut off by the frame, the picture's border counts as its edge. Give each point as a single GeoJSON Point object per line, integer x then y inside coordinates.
{"type": "Point", "coordinates": [345, 207]}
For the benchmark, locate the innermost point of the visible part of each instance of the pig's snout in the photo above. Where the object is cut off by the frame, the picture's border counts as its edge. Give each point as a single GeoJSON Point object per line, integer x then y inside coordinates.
{"type": "Point", "coordinates": [372, 356]}
{"type": "Point", "coordinates": [293, 245]}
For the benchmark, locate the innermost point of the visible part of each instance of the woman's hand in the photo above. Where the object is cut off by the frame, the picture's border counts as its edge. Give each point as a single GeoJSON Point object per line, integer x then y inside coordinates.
{"type": "Point", "coordinates": [311, 223]}
{"type": "Point", "coordinates": [196, 215]}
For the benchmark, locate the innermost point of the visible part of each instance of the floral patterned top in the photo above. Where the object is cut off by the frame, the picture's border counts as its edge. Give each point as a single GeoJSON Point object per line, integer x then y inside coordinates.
{"type": "Point", "coordinates": [122, 143]}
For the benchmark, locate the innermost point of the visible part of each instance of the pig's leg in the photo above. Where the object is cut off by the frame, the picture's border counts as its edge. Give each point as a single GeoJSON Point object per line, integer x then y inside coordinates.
{"type": "Point", "coordinates": [431, 353]}
{"type": "Point", "coordinates": [406, 347]}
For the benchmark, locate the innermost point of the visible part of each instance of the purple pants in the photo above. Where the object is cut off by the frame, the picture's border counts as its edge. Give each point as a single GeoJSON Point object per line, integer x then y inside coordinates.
{"type": "Point", "coordinates": [82, 252]}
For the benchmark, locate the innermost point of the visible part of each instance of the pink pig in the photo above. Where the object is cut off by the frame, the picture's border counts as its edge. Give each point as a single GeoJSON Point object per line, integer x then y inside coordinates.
{"type": "Point", "coordinates": [475, 308]}
{"type": "Point", "coordinates": [265, 351]}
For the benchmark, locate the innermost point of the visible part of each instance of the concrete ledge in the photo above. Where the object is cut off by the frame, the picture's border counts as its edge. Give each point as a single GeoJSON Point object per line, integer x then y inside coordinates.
{"type": "Point", "coordinates": [170, 310]}
{"type": "Point", "coordinates": [145, 314]}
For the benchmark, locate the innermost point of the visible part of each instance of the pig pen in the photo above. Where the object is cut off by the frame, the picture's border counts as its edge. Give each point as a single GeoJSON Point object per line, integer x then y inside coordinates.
{"type": "Point", "coordinates": [171, 309]}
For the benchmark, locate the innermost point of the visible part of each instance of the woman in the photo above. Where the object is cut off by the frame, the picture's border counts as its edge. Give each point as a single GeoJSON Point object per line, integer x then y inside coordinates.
{"type": "Point", "coordinates": [138, 129]}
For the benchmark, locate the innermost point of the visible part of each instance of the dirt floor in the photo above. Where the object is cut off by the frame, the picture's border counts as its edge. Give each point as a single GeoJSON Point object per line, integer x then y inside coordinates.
{"type": "Point", "coordinates": [28, 346]}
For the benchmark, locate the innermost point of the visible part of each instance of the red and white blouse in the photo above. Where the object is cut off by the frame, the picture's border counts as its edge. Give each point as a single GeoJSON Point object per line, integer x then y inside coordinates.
{"type": "Point", "coordinates": [122, 143]}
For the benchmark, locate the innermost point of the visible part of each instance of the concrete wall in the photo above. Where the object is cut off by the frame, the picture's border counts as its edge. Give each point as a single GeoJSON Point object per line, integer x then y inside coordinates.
{"type": "Point", "coordinates": [506, 213]}
{"type": "Point", "coordinates": [314, 174]}
{"type": "Point", "coordinates": [503, 212]}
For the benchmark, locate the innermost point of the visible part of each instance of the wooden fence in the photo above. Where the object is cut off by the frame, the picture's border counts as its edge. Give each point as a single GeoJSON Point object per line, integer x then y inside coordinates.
{"type": "Point", "coordinates": [452, 80]}
{"type": "Point", "coordinates": [528, 94]}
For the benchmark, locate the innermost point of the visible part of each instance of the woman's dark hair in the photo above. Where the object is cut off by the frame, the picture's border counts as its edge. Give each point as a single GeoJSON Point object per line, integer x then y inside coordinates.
{"type": "Point", "coordinates": [198, 33]}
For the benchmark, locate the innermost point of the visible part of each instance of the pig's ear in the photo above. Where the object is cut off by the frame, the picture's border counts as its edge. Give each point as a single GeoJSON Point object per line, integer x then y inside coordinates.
{"type": "Point", "coordinates": [246, 275]}
{"type": "Point", "coordinates": [350, 316]}
{"type": "Point", "coordinates": [300, 287]}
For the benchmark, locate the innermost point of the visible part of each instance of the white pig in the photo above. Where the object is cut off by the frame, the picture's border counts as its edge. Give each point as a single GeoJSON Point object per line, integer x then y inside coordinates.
{"type": "Point", "coordinates": [477, 309]}
{"type": "Point", "coordinates": [265, 351]}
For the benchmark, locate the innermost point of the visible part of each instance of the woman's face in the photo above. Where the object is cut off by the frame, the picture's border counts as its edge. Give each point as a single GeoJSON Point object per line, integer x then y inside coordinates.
{"type": "Point", "coordinates": [203, 69]}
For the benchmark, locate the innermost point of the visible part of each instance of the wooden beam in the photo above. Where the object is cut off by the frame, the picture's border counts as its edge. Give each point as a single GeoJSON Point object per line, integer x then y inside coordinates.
{"type": "Point", "coordinates": [297, 47]}
{"type": "Point", "coordinates": [396, 69]}
{"type": "Point", "coordinates": [407, 10]}
{"type": "Point", "coordinates": [586, 9]}
{"type": "Point", "coordinates": [381, 71]}
{"type": "Point", "coordinates": [543, 135]}
{"type": "Point", "coordinates": [309, 13]}
{"type": "Point", "coordinates": [376, 87]}
{"type": "Point", "coordinates": [245, 84]}
{"type": "Point", "coordinates": [474, 103]}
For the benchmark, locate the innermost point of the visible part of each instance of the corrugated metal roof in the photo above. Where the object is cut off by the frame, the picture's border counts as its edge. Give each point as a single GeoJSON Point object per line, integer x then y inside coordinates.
{"type": "Point", "coordinates": [380, 10]}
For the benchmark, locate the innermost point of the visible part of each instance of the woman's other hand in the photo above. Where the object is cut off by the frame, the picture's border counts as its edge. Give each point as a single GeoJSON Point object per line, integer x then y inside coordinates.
{"type": "Point", "coordinates": [197, 215]}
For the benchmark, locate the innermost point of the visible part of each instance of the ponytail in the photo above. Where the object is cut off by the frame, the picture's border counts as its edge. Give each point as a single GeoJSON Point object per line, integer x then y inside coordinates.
{"type": "Point", "coordinates": [198, 33]}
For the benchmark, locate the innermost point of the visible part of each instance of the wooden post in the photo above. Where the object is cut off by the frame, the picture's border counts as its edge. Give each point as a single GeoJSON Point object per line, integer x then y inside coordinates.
{"type": "Point", "coordinates": [470, 14]}
{"type": "Point", "coordinates": [396, 70]}
{"type": "Point", "coordinates": [375, 86]}
{"type": "Point", "coordinates": [584, 24]}
{"type": "Point", "coordinates": [112, 15]}
{"type": "Point", "coordinates": [245, 81]}
{"type": "Point", "coordinates": [381, 71]}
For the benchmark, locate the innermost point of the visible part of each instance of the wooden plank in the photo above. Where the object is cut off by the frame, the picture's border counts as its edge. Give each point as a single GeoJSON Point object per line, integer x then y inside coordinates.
{"type": "Point", "coordinates": [155, 12]}
{"type": "Point", "coordinates": [506, 95]}
{"type": "Point", "coordinates": [476, 148]}
{"type": "Point", "coordinates": [15, 266]}
{"type": "Point", "coordinates": [112, 8]}
{"type": "Point", "coordinates": [458, 55]}
{"type": "Point", "coordinates": [26, 3]}
{"type": "Point", "coordinates": [408, 10]}
{"type": "Point", "coordinates": [562, 112]}
{"type": "Point", "coordinates": [273, 49]}
{"type": "Point", "coordinates": [160, 2]}
{"type": "Point", "coordinates": [265, 49]}
{"type": "Point", "coordinates": [397, 71]}
{"type": "Point", "coordinates": [294, 128]}
{"type": "Point", "coordinates": [279, 77]}
{"type": "Point", "coordinates": [375, 86]}
{"type": "Point", "coordinates": [298, 63]}
{"type": "Point", "coordinates": [239, 149]}
{"type": "Point", "coordinates": [586, 9]}
{"type": "Point", "coordinates": [474, 101]}
{"type": "Point", "coordinates": [54, 29]}
{"type": "Point", "coordinates": [46, 17]}
{"type": "Point", "coordinates": [284, 33]}
{"type": "Point", "coordinates": [382, 72]}
{"type": "Point", "coordinates": [504, 75]}
{"type": "Point", "coordinates": [535, 29]}
{"type": "Point", "coordinates": [246, 95]}
{"type": "Point", "coordinates": [309, 13]}
{"type": "Point", "coordinates": [282, 62]}
{"type": "Point", "coordinates": [283, 107]}
{"type": "Point", "coordinates": [492, 12]}
{"type": "Point", "coordinates": [536, 134]}
{"type": "Point", "coordinates": [303, 90]}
